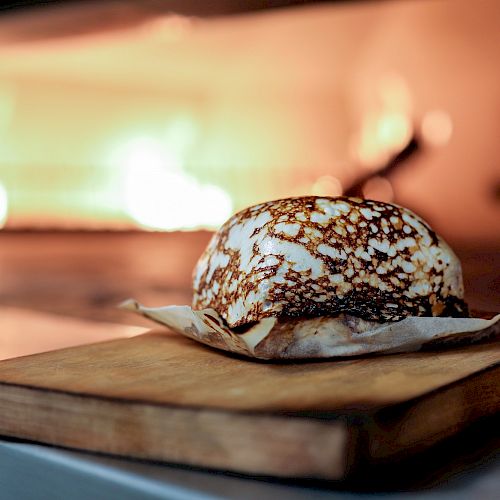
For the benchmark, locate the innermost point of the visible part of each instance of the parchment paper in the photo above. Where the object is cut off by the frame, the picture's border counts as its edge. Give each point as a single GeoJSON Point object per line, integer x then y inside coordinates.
{"type": "Point", "coordinates": [324, 337]}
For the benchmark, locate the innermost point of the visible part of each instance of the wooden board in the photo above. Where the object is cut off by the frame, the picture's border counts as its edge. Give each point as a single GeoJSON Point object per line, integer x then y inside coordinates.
{"type": "Point", "coordinates": [24, 332]}
{"type": "Point", "coordinates": [164, 397]}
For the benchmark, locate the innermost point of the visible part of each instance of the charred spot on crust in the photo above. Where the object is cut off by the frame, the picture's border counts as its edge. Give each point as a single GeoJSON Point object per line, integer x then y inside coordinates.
{"type": "Point", "coordinates": [455, 308]}
{"type": "Point", "coordinates": [241, 329]}
{"type": "Point", "coordinates": [319, 256]}
{"type": "Point", "coordinates": [380, 307]}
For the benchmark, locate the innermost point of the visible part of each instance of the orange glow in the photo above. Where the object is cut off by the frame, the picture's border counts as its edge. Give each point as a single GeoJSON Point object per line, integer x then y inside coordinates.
{"type": "Point", "coordinates": [382, 136]}
{"type": "Point", "coordinates": [437, 127]}
{"type": "Point", "coordinates": [234, 110]}
{"type": "Point", "coordinates": [170, 28]}
{"type": "Point", "coordinates": [378, 188]}
{"type": "Point", "coordinates": [386, 126]}
{"type": "Point", "coordinates": [158, 199]}
{"type": "Point", "coordinates": [394, 92]}
{"type": "Point", "coordinates": [327, 185]}
{"type": "Point", "coordinates": [158, 194]}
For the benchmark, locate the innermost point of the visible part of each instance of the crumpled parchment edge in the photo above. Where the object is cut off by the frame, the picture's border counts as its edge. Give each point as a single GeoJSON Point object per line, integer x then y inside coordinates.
{"type": "Point", "coordinates": [324, 337]}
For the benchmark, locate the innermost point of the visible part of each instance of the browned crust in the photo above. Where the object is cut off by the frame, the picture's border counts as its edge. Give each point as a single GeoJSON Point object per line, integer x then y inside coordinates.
{"type": "Point", "coordinates": [384, 299]}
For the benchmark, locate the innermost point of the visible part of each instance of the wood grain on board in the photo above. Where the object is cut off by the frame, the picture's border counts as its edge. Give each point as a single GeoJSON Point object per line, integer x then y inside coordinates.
{"type": "Point", "coordinates": [164, 397]}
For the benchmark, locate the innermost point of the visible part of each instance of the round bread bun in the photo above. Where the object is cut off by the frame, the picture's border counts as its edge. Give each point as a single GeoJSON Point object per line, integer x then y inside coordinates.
{"type": "Point", "coordinates": [319, 256]}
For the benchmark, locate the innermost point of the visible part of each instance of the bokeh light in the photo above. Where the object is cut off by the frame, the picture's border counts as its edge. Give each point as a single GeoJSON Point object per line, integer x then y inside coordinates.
{"type": "Point", "coordinates": [437, 127]}
{"type": "Point", "coordinates": [327, 185]}
{"type": "Point", "coordinates": [158, 194]}
{"type": "Point", "coordinates": [386, 125]}
{"type": "Point", "coordinates": [378, 188]}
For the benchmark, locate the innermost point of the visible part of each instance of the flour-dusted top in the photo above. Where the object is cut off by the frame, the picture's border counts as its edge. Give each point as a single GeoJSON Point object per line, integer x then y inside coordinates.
{"type": "Point", "coordinates": [319, 256]}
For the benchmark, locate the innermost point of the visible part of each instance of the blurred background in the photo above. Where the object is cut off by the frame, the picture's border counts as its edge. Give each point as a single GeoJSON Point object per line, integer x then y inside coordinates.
{"type": "Point", "coordinates": [123, 123]}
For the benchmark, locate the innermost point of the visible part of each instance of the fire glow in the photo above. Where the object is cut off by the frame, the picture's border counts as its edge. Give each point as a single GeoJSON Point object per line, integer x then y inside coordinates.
{"type": "Point", "coordinates": [204, 116]}
{"type": "Point", "coordinates": [158, 194]}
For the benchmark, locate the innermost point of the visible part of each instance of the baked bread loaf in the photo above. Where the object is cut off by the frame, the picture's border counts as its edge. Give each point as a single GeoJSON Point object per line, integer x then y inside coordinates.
{"type": "Point", "coordinates": [318, 256]}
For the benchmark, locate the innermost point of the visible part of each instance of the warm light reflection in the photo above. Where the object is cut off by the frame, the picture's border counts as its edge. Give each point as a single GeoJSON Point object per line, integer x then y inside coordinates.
{"type": "Point", "coordinates": [327, 185]}
{"type": "Point", "coordinates": [170, 28]}
{"type": "Point", "coordinates": [378, 188]}
{"type": "Point", "coordinates": [158, 194]}
{"type": "Point", "coordinates": [7, 104]}
{"type": "Point", "coordinates": [386, 126]}
{"type": "Point", "coordinates": [437, 127]}
{"type": "Point", "coordinates": [172, 200]}
{"type": "Point", "coordinates": [4, 205]}
{"type": "Point", "coordinates": [394, 91]}
{"type": "Point", "coordinates": [382, 136]}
